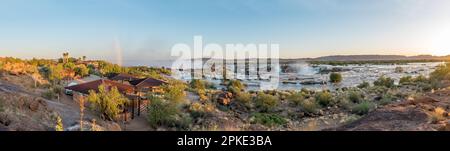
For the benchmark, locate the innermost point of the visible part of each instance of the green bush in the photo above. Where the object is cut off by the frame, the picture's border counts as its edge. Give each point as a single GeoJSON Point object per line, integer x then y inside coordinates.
{"type": "Point", "coordinates": [182, 122]}
{"type": "Point", "coordinates": [384, 81]}
{"type": "Point", "coordinates": [442, 72]}
{"type": "Point", "coordinates": [364, 85]}
{"type": "Point", "coordinates": [174, 91]}
{"type": "Point", "coordinates": [355, 96]}
{"type": "Point", "coordinates": [387, 99]}
{"type": "Point", "coordinates": [296, 98]}
{"type": "Point", "coordinates": [244, 98]}
{"type": "Point", "coordinates": [421, 79]}
{"type": "Point", "coordinates": [363, 108]}
{"type": "Point", "coordinates": [198, 110]}
{"type": "Point", "coordinates": [161, 113]}
{"type": "Point", "coordinates": [324, 98]}
{"type": "Point", "coordinates": [406, 80]}
{"type": "Point", "coordinates": [266, 102]}
{"type": "Point", "coordinates": [110, 103]}
{"type": "Point", "coordinates": [309, 106]}
{"type": "Point", "coordinates": [335, 77]}
{"type": "Point", "coordinates": [235, 86]}
{"type": "Point", "coordinates": [268, 119]}
{"type": "Point", "coordinates": [49, 94]}
{"type": "Point", "coordinates": [198, 84]}
{"type": "Point", "coordinates": [2, 109]}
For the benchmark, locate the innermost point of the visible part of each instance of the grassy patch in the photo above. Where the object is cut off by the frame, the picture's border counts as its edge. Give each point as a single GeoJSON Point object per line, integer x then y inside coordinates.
{"type": "Point", "coordinates": [355, 96]}
{"type": "Point", "coordinates": [363, 108]}
{"type": "Point", "coordinates": [309, 106]}
{"type": "Point", "coordinates": [2, 108]}
{"type": "Point", "coordinates": [268, 119]}
{"type": "Point", "coordinates": [324, 98]}
{"type": "Point", "coordinates": [266, 102]}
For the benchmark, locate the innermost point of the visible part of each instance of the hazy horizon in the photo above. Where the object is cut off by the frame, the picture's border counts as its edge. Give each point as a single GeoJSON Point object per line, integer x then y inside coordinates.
{"type": "Point", "coordinates": [141, 30]}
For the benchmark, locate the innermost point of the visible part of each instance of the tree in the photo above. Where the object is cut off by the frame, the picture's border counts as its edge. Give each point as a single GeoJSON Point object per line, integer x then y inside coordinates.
{"type": "Point", "coordinates": [108, 102]}
{"type": "Point", "coordinates": [82, 70]}
{"type": "Point", "coordinates": [69, 65]}
{"type": "Point", "coordinates": [59, 125]}
{"type": "Point", "coordinates": [81, 104]}
{"type": "Point", "coordinates": [174, 91]}
{"type": "Point", "coordinates": [335, 77]}
{"type": "Point", "coordinates": [56, 73]}
{"type": "Point", "coordinates": [65, 57]}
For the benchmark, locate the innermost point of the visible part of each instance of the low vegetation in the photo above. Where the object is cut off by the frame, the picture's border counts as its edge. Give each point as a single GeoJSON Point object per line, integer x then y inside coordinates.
{"type": "Point", "coordinates": [266, 102]}
{"type": "Point", "coordinates": [108, 102]}
{"type": "Point", "coordinates": [268, 119]}
{"type": "Point", "coordinates": [363, 108]}
{"type": "Point", "coordinates": [324, 98]}
{"type": "Point", "coordinates": [162, 113]}
{"type": "Point", "coordinates": [438, 114]}
{"type": "Point", "coordinates": [335, 77]}
{"type": "Point", "coordinates": [384, 81]}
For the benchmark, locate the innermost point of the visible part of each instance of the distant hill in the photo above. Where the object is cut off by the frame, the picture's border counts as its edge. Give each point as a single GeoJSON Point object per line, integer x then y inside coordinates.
{"type": "Point", "coordinates": [379, 57]}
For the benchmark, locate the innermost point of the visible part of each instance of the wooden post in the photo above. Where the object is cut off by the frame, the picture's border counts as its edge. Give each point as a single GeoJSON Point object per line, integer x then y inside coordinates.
{"type": "Point", "coordinates": [139, 106]}
{"type": "Point", "coordinates": [132, 109]}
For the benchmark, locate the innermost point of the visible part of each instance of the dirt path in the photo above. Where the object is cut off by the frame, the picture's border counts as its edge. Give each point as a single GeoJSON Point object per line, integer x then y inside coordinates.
{"type": "Point", "coordinates": [139, 123]}
{"type": "Point", "coordinates": [67, 109]}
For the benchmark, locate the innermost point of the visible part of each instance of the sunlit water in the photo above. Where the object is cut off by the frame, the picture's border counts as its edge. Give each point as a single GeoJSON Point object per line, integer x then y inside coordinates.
{"type": "Point", "coordinates": [353, 75]}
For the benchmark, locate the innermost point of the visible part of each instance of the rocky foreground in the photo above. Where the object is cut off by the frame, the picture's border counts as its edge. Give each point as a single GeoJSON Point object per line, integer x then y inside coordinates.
{"type": "Point", "coordinates": [427, 113]}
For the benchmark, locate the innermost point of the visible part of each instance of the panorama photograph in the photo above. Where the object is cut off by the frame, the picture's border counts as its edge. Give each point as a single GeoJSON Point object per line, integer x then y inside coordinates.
{"type": "Point", "coordinates": [224, 65]}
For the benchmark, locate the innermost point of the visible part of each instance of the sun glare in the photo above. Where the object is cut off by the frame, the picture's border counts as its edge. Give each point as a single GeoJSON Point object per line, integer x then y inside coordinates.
{"type": "Point", "coordinates": [441, 43]}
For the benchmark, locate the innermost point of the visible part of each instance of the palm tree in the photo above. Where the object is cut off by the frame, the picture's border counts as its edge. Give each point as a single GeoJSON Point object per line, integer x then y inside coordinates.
{"type": "Point", "coordinates": [65, 57]}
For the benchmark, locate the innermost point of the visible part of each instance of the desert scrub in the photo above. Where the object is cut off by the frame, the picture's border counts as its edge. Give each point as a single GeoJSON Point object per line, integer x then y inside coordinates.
{"type": "Point", "coordinates": [109, 103]}
{"type": "Point", "coordinates": [266, 102]}
{"type": "Point", "coordinates": [161, 113]}
{"type": "Point", "coordinates": [363, 108]}
{"type": "Point", "coordinates": [198, 110]}
{"type": "Point", "coordinates": [324, 98]}
{"type": "Point", "coordinates": [364, 85]}
{"type": "Point", "coordinates": [296, 98]}
{"type": "Point", "coordinates": [2, 109]}
{"type": "Point", "coordinates": [309, 106]}
{"type": "Point", "coordinates": [384, 81]}
{"type": "Point", "coordinates": [49, 94]}
{"type": "Point", "coordinates": [437, 115]}
{"type": "Point", "coordinates": [235, 86]}
{"type": "Point", "coordinates": [406, 80]}
{"type": "Point", "coordinates": [182, 122]}
{"type": "Point", "coordinates": [268, 119]}
{"type": "Point", "coordinates": [387, 99]}
{"type": "Point", "coordinates": [244, 98]}
{"type": "Point", "coordinates": [335, 77]}
{"type": "Point", "coordinates": [355, 96]}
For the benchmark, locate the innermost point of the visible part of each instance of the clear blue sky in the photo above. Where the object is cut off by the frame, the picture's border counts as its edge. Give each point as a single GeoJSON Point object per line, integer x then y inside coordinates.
{"type": "Point", "coordinates": [147, 29]}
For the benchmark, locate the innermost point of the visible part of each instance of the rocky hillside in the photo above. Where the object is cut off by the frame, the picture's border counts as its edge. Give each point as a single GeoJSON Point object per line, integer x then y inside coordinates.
{"type": "Point", "coordinates": [429, 113]}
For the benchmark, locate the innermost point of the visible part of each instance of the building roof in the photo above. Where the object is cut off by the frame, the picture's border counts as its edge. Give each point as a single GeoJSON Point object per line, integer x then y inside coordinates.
{"type": "Point", "coordinates": [93, 85]}
{"type": "Point", "coordinates": [122, 77]}
{"type": "Point", "coordinates": [147, 82]}
{"type": "Point", "coordinates": [89, 78]}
